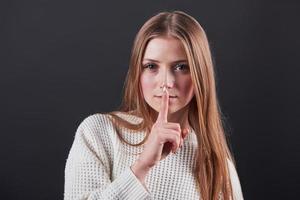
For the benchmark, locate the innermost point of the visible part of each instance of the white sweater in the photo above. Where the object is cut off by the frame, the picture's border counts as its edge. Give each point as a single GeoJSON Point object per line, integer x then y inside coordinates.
{"type": "Point", "coordinates": [98, 166]}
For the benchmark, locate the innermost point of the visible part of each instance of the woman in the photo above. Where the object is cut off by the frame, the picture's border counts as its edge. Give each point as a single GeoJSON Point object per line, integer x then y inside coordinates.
{"type": "Point", "coordinates": [167, 140]}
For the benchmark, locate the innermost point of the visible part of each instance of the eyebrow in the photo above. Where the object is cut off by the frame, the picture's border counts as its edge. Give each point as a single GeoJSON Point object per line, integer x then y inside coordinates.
{"type": "Point", "coordinates": [177, 61]}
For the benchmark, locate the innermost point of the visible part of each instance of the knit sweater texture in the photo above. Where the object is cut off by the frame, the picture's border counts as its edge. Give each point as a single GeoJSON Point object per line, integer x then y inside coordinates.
{"type": "Point", "coordinates": [98, 166]}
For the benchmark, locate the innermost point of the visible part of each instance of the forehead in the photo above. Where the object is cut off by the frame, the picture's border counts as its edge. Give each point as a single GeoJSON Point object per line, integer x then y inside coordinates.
{"type": "Point", "coordinates": [165, 49]}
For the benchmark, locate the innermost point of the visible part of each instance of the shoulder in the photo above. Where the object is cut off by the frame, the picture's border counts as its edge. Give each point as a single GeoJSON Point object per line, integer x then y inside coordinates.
{"type": "Point", "coordinates": [128, 116]}
{"type": "Point", "coordinates": [102, 123]}
{"type": "Point", "coordinates": [94, 128]}
{"type": "Point", "coordinates": [103, 117]}
{"type": "Point", "coordinates": [97, 125]}
{"type": "Point", "coordinates": [94, 135]}
{"type": "Point", "coordinates": [94, 121]}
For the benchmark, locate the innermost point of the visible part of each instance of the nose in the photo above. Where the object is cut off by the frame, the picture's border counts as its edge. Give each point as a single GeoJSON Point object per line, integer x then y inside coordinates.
{"type": "Point", "coordinates": [167, 79]}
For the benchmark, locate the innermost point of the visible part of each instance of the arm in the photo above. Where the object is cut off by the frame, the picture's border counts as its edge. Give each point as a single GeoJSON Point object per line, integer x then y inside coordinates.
{"type": "Point", "coordinates": [87, 172]}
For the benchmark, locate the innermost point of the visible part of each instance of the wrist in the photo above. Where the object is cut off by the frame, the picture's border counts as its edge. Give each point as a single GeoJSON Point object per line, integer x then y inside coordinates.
{"type": "Point", "coordinates": [140, 170]}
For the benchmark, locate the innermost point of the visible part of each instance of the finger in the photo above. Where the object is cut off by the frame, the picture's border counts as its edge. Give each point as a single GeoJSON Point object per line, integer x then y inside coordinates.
{"type": "Point", "coordinates": [171, 132]}
{"type": "Point", "coordinates": [183, 135]}
{"type": "Point", "coordinates": [181, 142]}
{"type": "Point", "coordinates": [164, 107]}
{"type": "Point", "coordinates": [176, 143]}
{"type": "Point", "coordinates": [185, 132]}
{"type": "Point", "coordinates": [172, 137]}
{"type": "Point", "coordinates": [173, 126]}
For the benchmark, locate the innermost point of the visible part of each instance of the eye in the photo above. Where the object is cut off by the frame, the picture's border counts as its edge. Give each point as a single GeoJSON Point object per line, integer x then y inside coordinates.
{"type": "Point", "coordinates": [181, 67]}
{"type": "Point", "coordinates": [150, 66]}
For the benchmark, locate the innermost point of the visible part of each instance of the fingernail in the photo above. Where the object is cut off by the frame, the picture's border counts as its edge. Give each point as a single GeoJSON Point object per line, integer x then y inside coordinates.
{"type": "Point", "coordinates": [164, 89]}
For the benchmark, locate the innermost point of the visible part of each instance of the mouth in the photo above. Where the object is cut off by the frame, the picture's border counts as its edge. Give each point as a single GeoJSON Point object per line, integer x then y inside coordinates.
{"type": "Point", "coordinates": [170, 96]}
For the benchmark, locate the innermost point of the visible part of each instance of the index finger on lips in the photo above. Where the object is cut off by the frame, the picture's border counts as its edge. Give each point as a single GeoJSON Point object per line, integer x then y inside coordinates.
{"type": "Point", "coordinates": [164, 107]}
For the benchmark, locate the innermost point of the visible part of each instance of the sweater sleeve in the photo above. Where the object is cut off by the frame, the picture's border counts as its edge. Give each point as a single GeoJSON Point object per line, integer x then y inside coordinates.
{"type": "Point", "coordinates": [235, 182]}
{"type": "Point", "coordinates": [87, 172]}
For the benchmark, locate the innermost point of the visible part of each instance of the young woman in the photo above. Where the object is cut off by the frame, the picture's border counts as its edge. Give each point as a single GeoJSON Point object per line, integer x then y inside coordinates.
{"type": "Point", "coordinates": [167, 140]}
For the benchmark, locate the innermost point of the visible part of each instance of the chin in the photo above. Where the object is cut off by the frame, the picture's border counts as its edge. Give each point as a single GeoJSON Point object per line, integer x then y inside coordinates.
{"type": "Point", "coordinates": [172, 108]}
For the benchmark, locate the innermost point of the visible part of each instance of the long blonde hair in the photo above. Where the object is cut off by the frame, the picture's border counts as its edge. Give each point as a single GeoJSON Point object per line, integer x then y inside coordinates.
{"type": "Point", "coordinates": [211, 169]}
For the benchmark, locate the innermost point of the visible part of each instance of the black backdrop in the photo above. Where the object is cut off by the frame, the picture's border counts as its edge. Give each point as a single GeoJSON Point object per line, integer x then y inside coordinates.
{"type": "Point", "coordinates": [64, 60]}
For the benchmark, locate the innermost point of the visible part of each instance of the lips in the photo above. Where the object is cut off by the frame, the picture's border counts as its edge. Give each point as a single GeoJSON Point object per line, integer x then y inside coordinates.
{"type": "Point", "coordinates": [169, 96]}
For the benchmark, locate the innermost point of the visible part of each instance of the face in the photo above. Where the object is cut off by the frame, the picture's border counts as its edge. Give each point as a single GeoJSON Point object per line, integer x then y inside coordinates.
{"type": "Point", "coordinates": [165, 63]}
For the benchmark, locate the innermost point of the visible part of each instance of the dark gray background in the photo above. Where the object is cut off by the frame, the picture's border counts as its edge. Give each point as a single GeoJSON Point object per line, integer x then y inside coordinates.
{"type": "Point", "coordinates": [64, 60]}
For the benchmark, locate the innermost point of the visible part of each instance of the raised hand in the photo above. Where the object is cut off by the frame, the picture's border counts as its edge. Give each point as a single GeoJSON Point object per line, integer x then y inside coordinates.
{"type": "Point", "coordinates": [164, 136]}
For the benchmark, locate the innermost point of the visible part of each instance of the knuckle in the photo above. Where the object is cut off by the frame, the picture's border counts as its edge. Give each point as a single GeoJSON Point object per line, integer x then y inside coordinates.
{"type": "Point", "coordinates": [178, 126]}
{"type": "Point", "coordinates": [176, 139]}
{"type": "Point", "coordinates": [177, 133]}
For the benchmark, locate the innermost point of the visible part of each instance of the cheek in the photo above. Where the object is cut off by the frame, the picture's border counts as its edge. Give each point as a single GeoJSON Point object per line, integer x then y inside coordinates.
{"type": "Point", "coordinates": [146, 84]}
{"type": "Point", "coordinates": [186, 87]}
